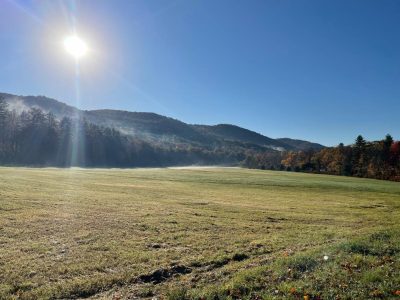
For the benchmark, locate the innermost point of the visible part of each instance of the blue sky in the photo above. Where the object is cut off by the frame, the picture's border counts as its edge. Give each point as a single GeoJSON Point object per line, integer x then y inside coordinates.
{"type": "Point", "coordinates": [323, 71]}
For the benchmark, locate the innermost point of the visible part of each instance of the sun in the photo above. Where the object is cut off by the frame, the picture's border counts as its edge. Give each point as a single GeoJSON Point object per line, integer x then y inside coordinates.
{"type": "Point", "coordinates": [75, 46]}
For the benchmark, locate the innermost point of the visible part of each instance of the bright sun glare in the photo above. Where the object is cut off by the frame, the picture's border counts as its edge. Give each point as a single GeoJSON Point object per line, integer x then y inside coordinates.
{"type": "Point", "coordinates": [75, 46]}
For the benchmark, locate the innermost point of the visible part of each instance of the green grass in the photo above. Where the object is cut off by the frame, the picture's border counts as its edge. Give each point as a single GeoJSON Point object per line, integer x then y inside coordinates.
{"type": "Point", "coordinates": [217, 233]}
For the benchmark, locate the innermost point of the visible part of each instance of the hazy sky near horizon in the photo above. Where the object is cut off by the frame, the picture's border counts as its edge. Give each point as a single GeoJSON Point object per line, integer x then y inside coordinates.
{"type": "Point", "coordinates": [323, 71]}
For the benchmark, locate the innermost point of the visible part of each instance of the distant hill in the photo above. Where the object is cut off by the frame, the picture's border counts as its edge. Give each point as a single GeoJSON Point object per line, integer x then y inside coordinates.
{"type": "Point", "coordinates": [300, 144]}
{"type": "Point", "coordinates": [161, 129]}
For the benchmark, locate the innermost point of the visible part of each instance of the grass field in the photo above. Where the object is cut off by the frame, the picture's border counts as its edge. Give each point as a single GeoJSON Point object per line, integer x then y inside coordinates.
{"type": "Point", "coordinates": [196, 233]}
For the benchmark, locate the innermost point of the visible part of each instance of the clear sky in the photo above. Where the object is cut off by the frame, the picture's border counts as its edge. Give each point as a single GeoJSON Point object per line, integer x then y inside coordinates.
{"type": "Point", "coordinates": [323, 71]}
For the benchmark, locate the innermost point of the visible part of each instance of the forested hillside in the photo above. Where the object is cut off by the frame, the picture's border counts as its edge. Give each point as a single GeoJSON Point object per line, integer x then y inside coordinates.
{"type": "Point", "coordinates": [157, 129]}
{"type": "Point", "coordinates": [37, 138]}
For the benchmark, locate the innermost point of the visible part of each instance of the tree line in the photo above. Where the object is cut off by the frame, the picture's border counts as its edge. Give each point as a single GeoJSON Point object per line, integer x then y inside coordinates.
{"type": "Point", "coordinates": [36, 138]}
{"type": "Point", "coordinates": [376, 159]}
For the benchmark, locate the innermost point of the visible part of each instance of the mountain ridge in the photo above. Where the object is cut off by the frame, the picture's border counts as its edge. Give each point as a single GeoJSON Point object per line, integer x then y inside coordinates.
{"type": "Point", "coordinates": [158, 128]}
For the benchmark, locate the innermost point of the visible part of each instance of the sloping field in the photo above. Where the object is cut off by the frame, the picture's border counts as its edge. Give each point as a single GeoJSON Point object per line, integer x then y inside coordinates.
{"type": "Point", "coordinates": [196, 233]}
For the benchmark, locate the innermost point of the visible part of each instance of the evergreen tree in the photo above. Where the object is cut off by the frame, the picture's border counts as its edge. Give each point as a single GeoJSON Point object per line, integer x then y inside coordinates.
{"type": "Point", "coordinates": [359, 167]}
{"type": "Point", "coordinates": [360, 142]}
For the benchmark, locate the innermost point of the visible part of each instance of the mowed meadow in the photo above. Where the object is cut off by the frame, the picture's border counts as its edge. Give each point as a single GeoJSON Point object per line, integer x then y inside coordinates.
{"type": "Point", "coordinates": [196, 233]}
